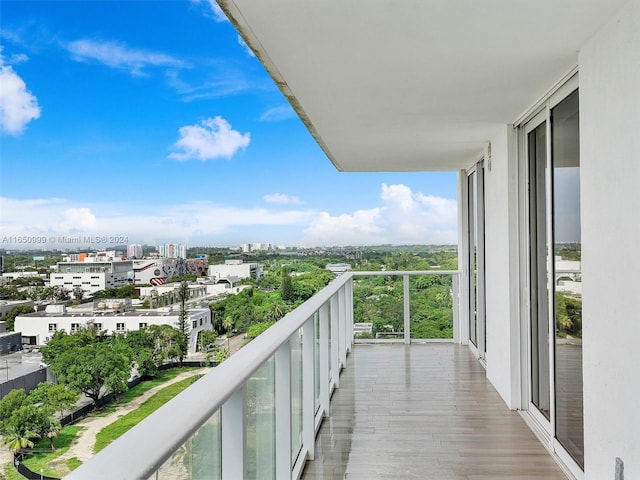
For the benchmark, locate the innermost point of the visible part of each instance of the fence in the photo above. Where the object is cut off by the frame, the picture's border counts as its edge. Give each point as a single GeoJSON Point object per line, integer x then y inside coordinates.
{"type": "Point", "coordinates": [28, 382]}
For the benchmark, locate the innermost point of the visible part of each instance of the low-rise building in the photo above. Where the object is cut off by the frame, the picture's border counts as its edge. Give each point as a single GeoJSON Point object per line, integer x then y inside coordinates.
{"type": "Point", "coordinates": [338, 268]}
{"type": "Point", "coordinates": [235, 268]}
{"type": "Point", "coordinates": [9, 341]}
{"type": "Point", "coordinates": [93, 274]}
{"type": "Point", "coordinates": [110, 315]}
{"type": "Point", "coordinates": [7, 305]}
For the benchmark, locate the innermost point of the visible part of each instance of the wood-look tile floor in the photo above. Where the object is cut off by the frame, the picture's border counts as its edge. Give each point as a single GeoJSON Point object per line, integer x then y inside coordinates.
{"type": "Point", "coordinates": [423, 412]}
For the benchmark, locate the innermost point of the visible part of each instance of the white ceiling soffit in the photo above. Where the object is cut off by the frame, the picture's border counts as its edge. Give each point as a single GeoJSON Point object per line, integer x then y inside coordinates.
{"type": "Point", "coordinates": [414, 85]}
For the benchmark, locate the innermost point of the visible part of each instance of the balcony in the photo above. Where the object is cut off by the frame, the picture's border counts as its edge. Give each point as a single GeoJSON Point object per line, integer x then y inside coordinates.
{"type": "Point", "coordinates": [304, 400]}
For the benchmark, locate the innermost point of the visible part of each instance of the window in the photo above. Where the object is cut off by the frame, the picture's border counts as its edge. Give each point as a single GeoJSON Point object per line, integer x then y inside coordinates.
{"type": "Point", "coordinates": [200, 321]}
{"type": "Point", "coordinates": [53, 327]}
{"type": "Point", "coordinates": [75, 327]}
{"type": "Point", "coordinates": [119, 327]}
{"type": "Point", "coordinates": [194, 324]}
{"type": "Point", "coordinates": [98, 326]}
{"type": "Point", "coordinates": [142, 325]}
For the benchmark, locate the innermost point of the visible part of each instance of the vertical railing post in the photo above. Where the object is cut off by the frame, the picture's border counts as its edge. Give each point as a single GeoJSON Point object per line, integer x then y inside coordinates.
{"type": "Point", "coordinates": [455, 302]}
{"type": "Point", "coordinates": [342, 319]}
{"type": "Point", "coordinates": [308, 388]}
{"type": "Point", "coordinates": [406, 309]}
{"type": "Point", "coordinates": [324, 359]}
{"type": "Point", "coordinates": [234, 428]}
{"type": "Point", "coordinates": [283, 410]}
{"type": "Point", "coordinates": [348, 288]}
{"type": "Point", "coordinates": [335, 341]}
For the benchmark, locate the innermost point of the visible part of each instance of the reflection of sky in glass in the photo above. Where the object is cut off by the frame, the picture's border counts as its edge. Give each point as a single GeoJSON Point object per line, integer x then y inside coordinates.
{"type": "Point", "coordinates": [567, 204]}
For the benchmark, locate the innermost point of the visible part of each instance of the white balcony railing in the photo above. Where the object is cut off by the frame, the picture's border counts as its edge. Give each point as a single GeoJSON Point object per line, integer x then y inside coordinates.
{"type": "Point", "coordinates": [231, 424]}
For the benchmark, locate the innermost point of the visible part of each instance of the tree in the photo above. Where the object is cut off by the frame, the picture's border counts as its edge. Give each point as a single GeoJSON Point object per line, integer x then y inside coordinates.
{"type": "Point", "coordinates": [95, 369]}
{"type": "Point", "coordinates": [10, 318]}
{"type": "Point", "coordinates": [62, 342]}
{"type": "Point", "coordinates": [286, 288]}
{"type": "Point", "coordinates": [78, 293]}
{"type": "Point", "coordinates": [165, 340]}
{"type": "Point", "coordinates": [51, 429]}
{"type": "Point", "coordinates": [56, 396]}
{"type": "Point", "coordinates": [206, 338]}
{"type": "Point", "coordinates": [183, 320]}
{"type": "Point", "coordinates": [16, 438]}
{"type": "Point", "coordinates": [11, 402]}
{"type": "Point", "coordinates": [228, 323]}
{"type": "Point", "coordinates": [277, 310]}
{"type": "Point", "coordinates": [26, 423]}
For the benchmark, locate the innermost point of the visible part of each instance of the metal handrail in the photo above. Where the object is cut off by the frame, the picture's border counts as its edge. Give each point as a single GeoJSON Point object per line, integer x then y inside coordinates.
{"type": "Point", "coordinates": [143, 450]}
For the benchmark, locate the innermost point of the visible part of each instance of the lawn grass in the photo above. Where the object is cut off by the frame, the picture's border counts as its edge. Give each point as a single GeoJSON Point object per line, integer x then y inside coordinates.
{"type": "Point", "coordinates": [46, 460]}
{"type": "Point", "coordinates": [139, 389]}
{"type": "Point", "coordinates": [111, 432]}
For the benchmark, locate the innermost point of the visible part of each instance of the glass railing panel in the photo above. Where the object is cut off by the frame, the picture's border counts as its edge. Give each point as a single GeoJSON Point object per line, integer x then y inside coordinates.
{"type": "Point", "coordinates": [260, 433]}
{"type": "Point", "coordinates": [378, 311]}
{"type": "Point", "coordinates": [200, 457]}
{"type": "Point", "coordinates": [296, 394]}
{"type": "Point", "coordinates": [431, 306]}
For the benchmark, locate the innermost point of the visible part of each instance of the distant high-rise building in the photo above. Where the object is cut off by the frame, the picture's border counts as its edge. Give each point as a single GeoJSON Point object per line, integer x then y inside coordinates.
{"type": "Point", "coordinates": [134, 251]}
{"type": "Point", "coordinates": [173, 250]}
{"type": "Point", "coordinates": [255, 247]}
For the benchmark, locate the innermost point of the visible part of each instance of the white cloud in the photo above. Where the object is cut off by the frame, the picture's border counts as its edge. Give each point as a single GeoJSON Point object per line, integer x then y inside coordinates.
{"type": "Point", "coordinates": [404, 217]}
{"type": "Point", "coordinates": [17, 58]}
{"type": "Point", "coordinates": [212, 10]}
{"type": "Point", "coordinates": [187, 222]}
{"type": "Point", "coordinates": [212, 138]}
{"type": "Point", "coordinates": [401, 217]}
{"type": "Point", "coordinates": [276, 114]}
{"type": "Point", "coordinates": [118, 55]}
{"type": "Point", "coordinates": [18, 106]}
{"type": "Point", "coordinates": [281, 198]}
{"type": "Point", "coordinates": [77, 220]}
{"type": "Point", "coordinates": [221, 82]}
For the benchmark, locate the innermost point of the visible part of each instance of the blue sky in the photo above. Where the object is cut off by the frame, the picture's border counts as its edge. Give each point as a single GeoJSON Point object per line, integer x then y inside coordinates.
{"type": "Point", "coordinates": [152, 120]}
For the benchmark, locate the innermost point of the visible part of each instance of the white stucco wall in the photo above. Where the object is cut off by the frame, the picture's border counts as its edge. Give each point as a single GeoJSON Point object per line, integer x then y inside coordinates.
{"type": "Point", "coordinates": [610, 184]}
{"type": "Point", "coordinates": [500, 230]}
{"type": "Point", "coordinates": [37, 325]}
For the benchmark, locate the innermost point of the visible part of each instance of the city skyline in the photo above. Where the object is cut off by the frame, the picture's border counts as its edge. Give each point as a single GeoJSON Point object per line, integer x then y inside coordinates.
{"type": "Point", "coordinates": [177, 134]}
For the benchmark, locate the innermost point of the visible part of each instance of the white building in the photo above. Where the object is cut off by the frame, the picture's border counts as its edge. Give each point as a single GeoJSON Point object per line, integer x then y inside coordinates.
{"type": "Point", "coordinates": [338, 268]}
{"type": "Point", "coordinates": [235, 268]}
{"type": "Point", "coordinates": [134, 251]}
{"type": "Point", "coordinates": [91, 275]}
{"type": "Point", "coordinates": [173, 250]}
{"type": "Point", "coordinates": [256, 247]}
{"type": "Point", "coordinates": [110, 315]}
{"type": "Point", "coordinates": [151, 271]}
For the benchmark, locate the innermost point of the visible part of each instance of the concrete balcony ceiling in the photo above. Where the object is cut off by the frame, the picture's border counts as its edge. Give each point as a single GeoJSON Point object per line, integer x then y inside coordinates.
{"type": "Point", "coordinates": [416, 84]}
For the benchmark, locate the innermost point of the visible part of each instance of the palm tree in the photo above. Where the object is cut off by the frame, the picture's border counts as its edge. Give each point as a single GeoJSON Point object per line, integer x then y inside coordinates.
{"type": "Point", "coordinates": [228, 323]}
{"type": "Point", "coordinates": [277, 311]}
{"type": "Point", "coordinates": [52, 429]}
{"type": "Point", "coordinates": [15, 438]}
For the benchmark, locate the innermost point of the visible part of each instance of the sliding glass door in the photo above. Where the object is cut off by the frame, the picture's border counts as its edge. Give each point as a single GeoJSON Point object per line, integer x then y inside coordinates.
{"type": "Point", "coordinates": [475, 260]}
{"type": "Point", "coordinates": [552, 152]}
{"type": "Point", "coordinates": [565, 150]}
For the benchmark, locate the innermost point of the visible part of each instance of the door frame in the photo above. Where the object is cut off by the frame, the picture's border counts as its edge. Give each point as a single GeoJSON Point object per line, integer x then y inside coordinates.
{"type": "Point", "coordinates": [479, 349]}
{"type": "Point", "coordinates": [543, 428]}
